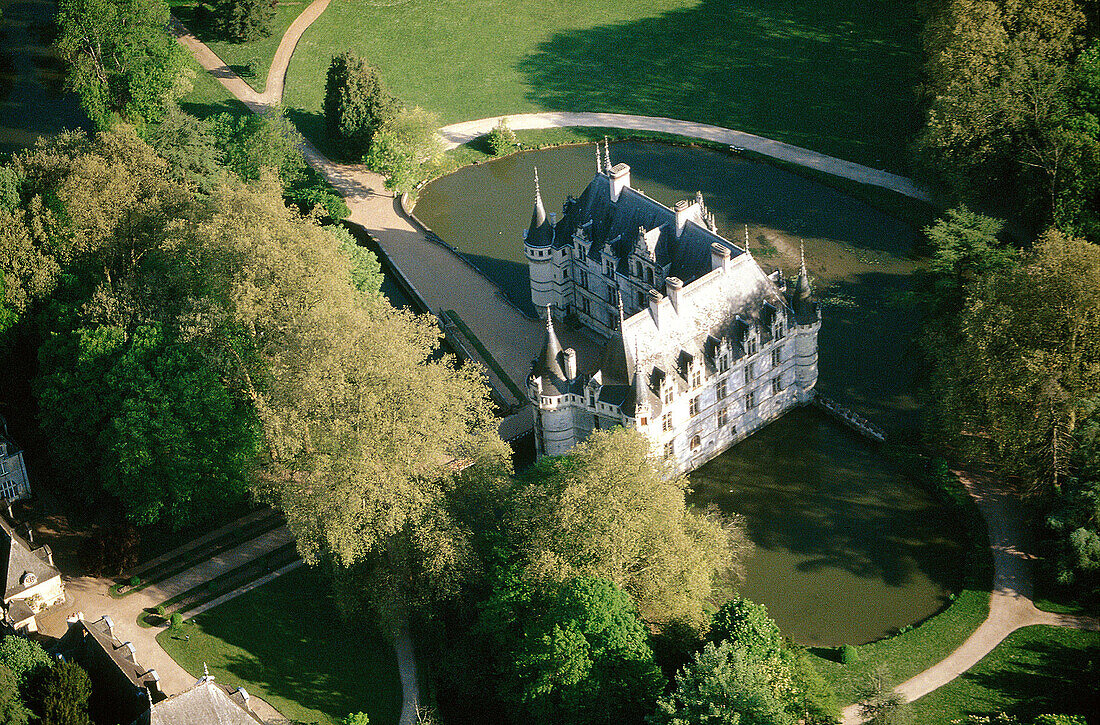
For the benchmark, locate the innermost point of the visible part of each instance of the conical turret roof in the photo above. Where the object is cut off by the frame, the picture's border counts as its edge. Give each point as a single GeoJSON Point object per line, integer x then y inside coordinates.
{"type": "Point", "coordinates": [548, 364]}
{"type": "Point", "coordinates": [540, 233]}
{"type": "Point", "coordinates": [805, 309]}
{"type": "Point", "coordinates": [617, 364]}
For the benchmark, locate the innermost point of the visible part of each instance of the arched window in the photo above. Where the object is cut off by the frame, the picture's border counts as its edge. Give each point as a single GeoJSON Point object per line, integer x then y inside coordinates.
{"type": "Point", "coordinates": [649, 275]}
{"type": "Point", "coordinates": [695, 442]}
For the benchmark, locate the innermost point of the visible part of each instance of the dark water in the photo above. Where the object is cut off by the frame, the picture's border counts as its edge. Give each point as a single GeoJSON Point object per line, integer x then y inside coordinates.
{"type": "Point", "coordinates": [847, 547]}
{"type": "Point", "coordinates": [32, 100]}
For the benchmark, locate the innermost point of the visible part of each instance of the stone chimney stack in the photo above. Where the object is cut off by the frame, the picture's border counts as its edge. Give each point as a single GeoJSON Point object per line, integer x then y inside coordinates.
{"type": "Point", "coordinates": [719, 256]}
{"type": "Point", "coordinates": [683, 213]}
{"type": "Point", "coordinates": [673, 285]}
{"type": "Point", "coordinates": [620, 179]}
{"type": "Point", "coordinates": [655, 307]}
{"type": "Point", "coordinates": [570, 356]}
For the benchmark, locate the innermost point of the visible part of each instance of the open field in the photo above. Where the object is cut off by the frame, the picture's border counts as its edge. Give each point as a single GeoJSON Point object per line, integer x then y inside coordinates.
{"type": "Point", "coordinates": [833, 76]}
{"type": "Point", "coordinates": [1036, 670]}
{"type": "Point", "coordinates": [285, 643]}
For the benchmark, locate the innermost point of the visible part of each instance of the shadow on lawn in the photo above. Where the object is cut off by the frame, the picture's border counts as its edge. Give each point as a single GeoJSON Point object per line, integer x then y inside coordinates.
{"type": "Point", "coordinates": [1048, 678]}
{"type": "Point", "coordinates": [835, 76]}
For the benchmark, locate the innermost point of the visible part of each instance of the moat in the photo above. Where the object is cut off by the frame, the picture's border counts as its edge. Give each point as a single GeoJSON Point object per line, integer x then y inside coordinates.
{"type": "Point", "coordinates": [848, 548]}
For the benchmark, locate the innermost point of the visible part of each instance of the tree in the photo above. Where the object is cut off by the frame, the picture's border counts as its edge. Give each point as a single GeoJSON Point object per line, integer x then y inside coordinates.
{"type": "Point", "coordinates": [242, 21]}
{"type": "Point", "coordinates": [608, 509]}
{"type": "Point", "coordinates": [1075, 515]}
{"type": "Point", "coordinates": [1000, 85]}
{"type": "Point", "coordinates": [880, 704]}
{"type": "Point", "coordinates": [723, 685]}
{"type": "Point", "coordinates": [62, 693]}
{"type": "Point", "coordinates": [1010, 383]}
{"type": "Point", "coordinates": [12, 709]}
{"type": "Point", "coordinates": [121, 60]}
{"type": "Point", "coordinates": [572, 652]}
{"type": "Point", "coordinates": [402, 148]}
{"type": "Point", "coordinates": [24, 658]}
{"type": "Point", "coordinates": [357, 104]}
{"type": "Point", "coordinates": [357, 718]}
{"type": "Point", "coordinates": [366, 270]}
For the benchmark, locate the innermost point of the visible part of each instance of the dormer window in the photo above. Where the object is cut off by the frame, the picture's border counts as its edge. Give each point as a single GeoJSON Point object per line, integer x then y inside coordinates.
{"type": "Point", "coordinates": [696, 377]}
{"type": "Point", "coordinates": [668, 394]}
{"type": "Point", "coordinates": [723, 363]}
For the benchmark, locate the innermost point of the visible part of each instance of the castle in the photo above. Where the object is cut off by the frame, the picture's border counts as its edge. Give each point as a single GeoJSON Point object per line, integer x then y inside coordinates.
{"type": "Point", "coordinates": [723, 350]}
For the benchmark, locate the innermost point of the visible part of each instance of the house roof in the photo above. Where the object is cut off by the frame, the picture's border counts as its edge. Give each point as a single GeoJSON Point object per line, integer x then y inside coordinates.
{"type": "Point", "coordinates": [205, 703]}
{"type": "Point", "coordinates": [100, 636]}
{"type": "Point", "coordinates": [19, 560]}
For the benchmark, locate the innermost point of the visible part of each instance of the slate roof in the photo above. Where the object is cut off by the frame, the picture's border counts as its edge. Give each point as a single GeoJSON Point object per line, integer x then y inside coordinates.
{"type": "Point", "coordinates": [100, 634]}
{"type": "Point", "coordinates": [615, 226]}
{"type": "Point", "coordinates": [205, 703]}
{"type": "Point", "coordinates": [18, 559]}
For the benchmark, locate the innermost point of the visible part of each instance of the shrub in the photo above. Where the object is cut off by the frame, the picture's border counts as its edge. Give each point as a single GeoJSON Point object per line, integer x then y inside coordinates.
{"type": "Point", "coordinates": [159, 610]}
{"type": "Point", "coordinates": [502, 139]}
{"type": "Point", "coordinates": [849, 654]}
{"type": "Point", "coordinates": [135, 580]}
{"type": "Point", "coordinates": [176, 620]}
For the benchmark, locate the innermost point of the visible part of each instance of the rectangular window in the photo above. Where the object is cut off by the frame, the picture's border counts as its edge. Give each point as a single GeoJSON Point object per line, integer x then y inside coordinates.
{"type": "Point", "coordinates": [778, 332]}
{"type": "Point", "coordinates": [723, 364]}
{"type": "Point", "coordinates": [641, 300]}
{"type": "Point", "coordinates": [752, 347]}
{"type": "Point", "coordinates": [584, 305]}
{"type": "Point", "coordinates": [721, 387]}
{"type": "Point", "coordinates": [611, 295]}
{"type": "Point", "coordinates": [666, 422]}
{"type": "Point", "coordinates": [777, 385]}
{"type": "Point", "coordinates": [643, 421]}
{"type": "Point", "coordinates": [750, 401]}
{"type": "Point", "coordinates": [750, 373]}
{"type": "Point", "coordinates": [723, 418]}
{"type": "Point", "coordinates": [696, 378]}
{"type": "Point", "coordinates": [668, 394]}
{"type": "Point", "coordinates": [776, 358]}
{"type": "Point", "coordinates": [693, 406]}
{"type": "Point", "coordinates": [583, 277]}
{"type": "Point", "coordinates": [670, 449]}
{"type": "Point", "coordinates": [565, 273]}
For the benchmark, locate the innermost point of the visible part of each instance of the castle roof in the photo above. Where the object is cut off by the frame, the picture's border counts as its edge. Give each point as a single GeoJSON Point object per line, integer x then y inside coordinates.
{"type": "Point", "coordinates": [805, 309]}
{"type": "Point", "coordinates": [20, 560]}
{"type": "Point", "coordinates": [613, 226]}
{"type": "Point", "coordinates": [548, 364]}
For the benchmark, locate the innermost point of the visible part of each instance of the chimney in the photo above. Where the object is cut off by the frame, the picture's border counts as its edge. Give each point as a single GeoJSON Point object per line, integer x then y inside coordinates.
{"type": "Point", "coordinates": [719, 256]}
{"type": "Point", "coordinates": [620, 178]}
{"type": "Point", "coordinates": [673, 285]}
{"type": "Point", "coordinates": [655, 306]}
{"type": "Point", "coordinates": [570, 356]}
{"type": "Point", "coordinates": [683, 211]}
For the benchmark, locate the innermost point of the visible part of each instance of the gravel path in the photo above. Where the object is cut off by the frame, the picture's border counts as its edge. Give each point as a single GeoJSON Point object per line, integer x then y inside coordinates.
{"type": "Point", "coordinates": [459, 133]}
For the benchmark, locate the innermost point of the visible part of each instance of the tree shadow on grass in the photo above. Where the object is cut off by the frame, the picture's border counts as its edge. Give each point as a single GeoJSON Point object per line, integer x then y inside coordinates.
{"type": "Point", "coordinates": [834, 76]}
{"type": "Point", "coordinates": [1044, 677]}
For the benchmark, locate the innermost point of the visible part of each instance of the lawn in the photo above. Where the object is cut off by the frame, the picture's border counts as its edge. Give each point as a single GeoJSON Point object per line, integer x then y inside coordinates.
{"type": "Point", "coordinates": [904, 655]}
{"type": "Point", "coordinates": [1036, 670]}
{"type": "Point", "coordinates": [248, 60]}
{"type": "Point", "coordinates": [285, 643]}
{"type": "Point", "coordinates": [834, 76]}
{"type": "Point", "coordinates": [208, 97]}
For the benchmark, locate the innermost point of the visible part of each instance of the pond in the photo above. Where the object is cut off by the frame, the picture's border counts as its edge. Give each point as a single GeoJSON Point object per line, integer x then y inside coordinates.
{"type": "Point", "coordinates": [848, 548]}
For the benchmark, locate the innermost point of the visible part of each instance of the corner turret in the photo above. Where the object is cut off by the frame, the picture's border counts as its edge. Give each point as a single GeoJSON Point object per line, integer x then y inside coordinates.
{"type": "Point", "coordinates": [543, 260]}
{"type": "Point", "coordinates": [807, 323]}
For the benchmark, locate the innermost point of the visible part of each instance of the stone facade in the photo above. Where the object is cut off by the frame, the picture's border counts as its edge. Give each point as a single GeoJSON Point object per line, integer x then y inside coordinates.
{"type": "Point", "coordinates": [703, 347]}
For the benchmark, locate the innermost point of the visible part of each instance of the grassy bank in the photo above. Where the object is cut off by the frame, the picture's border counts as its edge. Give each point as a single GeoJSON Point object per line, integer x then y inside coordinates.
{"type": "Point", "coordinates": [1036, 670]}
{"type": "Point", "coordinates": [285, 643]}
{"type": "Point", "coordinates": [831, 76]}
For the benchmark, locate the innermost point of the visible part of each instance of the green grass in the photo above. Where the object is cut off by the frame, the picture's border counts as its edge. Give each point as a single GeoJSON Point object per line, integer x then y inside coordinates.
{"type": "Point", "coordinates": [208, 97]}
{"type": "Point", "coordinates": [285, 643]}
{"type": "Point", "coordinates": [250, 61]}
{"type": "Point", "coordinates": [904, 655]}
{"type": "Point", "coordinates": [1036, 670]}
{"type": "Point", "coordinates": [834, 76]}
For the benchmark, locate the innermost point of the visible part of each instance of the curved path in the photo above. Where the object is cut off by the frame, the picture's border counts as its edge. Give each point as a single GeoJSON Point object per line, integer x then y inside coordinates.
{"type": "Point", "coordinates": [1010, 605]}
{"type": "Point", "coordinates": [420, 261]}
{"type": "Point", "coordinates": [460, 133]}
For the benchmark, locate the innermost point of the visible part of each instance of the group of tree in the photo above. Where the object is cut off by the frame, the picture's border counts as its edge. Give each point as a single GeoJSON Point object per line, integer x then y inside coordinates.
{"type": "Point", "coordinates": [242, 21]}
{"type": "Point", "coordinates": [1014, 99]}
{"type": "Point", "coordinates": [1013, 343]}
{"type": "Point", "coordinates": [369, 123]}
{"type": "Point", "coordinates": [36, 688]}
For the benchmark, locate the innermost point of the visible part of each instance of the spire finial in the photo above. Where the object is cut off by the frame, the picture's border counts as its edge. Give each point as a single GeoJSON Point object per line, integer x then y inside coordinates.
{"type": "Point", "coordinates": [802, 256]}
{"type": "Point", "coordinates": [747, 240]}
{"type": "Point", "coordinates": [622, 315]}
{"type": "Point", "coordinates": [607, 154]}
{"type": "Point", "coordinates": [599, 159]}
{"type": "Point", "coordinates": [538, 193]}
{"type": "Point", "coordinates": [549, 319]}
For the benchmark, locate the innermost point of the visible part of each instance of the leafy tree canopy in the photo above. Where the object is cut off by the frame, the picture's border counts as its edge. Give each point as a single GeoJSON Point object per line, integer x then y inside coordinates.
{"type": "Point", "coordinates": [243, 21]}
{"type": "Point", "coordinates": [62, 693]}
{"type": "Point", "coordinates": [608, 509]}
{"type": "Point", "coordinates": [357, 104]}
{"type": "Point", "coordinates": [23, 658]}
{"type": "Point", "coordinates": [122, 62]}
